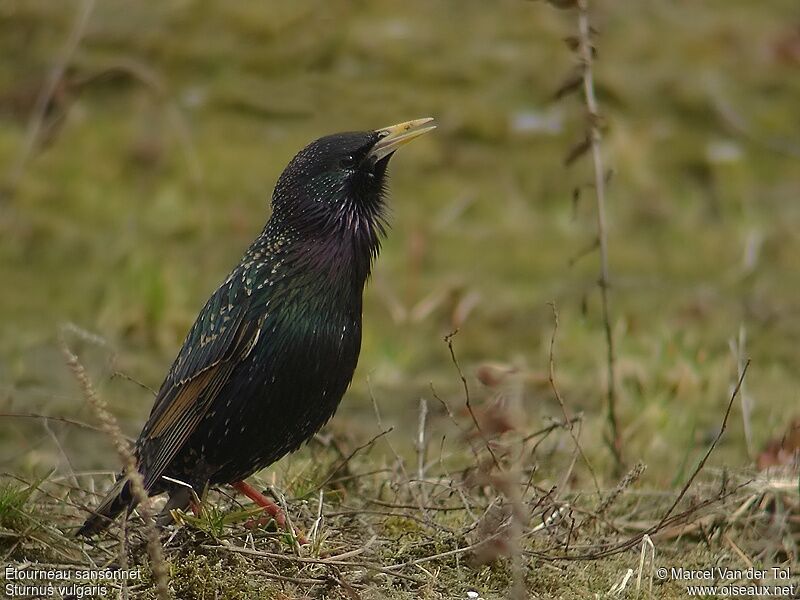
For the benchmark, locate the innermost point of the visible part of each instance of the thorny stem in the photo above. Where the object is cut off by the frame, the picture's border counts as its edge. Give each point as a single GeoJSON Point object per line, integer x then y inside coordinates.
{"type": "Point", "coordinates": [595, 139]}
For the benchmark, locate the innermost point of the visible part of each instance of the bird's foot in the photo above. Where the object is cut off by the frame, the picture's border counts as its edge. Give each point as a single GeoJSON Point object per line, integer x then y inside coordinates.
{"type": "Point", "coordinates": [269, 506]}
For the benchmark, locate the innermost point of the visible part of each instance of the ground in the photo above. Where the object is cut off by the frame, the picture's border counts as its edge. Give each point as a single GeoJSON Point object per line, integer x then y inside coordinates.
{"type": "Point", "coordinates": [151, 172]}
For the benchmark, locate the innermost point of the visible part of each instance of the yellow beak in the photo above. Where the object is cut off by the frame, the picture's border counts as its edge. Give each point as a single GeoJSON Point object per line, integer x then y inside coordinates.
{"type": "Point", "coordinates": [397, 135]}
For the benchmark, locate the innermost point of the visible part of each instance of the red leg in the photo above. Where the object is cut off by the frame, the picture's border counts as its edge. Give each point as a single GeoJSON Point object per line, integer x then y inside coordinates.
{"type": "Point", "coordinates": [273, 509]}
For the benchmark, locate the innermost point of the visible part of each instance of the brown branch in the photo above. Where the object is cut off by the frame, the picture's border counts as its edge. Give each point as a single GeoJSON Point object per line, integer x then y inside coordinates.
{"type": "Point", "coordinates": [634, 540]}
{"type": "Point", "coordinates": [347, 459]}
{"type": "Point", "coordinates": [133, 380]}
{"type": "Point", "coordinates": [334, 560]}
{"type": "Point", "coordinates": [51, 418]}
{"type": "Point", "coordinates": [713, 445]}
{"type": "Point", "coordinates": [594, 137]}
{"type": "Point", "coordinates": [668, 518]}
{"type": "Point", "coordinates": [449, 341]}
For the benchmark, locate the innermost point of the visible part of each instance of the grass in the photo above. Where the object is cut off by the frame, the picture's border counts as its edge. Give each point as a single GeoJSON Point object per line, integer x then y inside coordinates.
{"type": "Point", "coordinates": [13, 500]}
{"type": "Point", "coordinates": [371, 539]}
{"type": "Point", "coordinates": [153, 179]}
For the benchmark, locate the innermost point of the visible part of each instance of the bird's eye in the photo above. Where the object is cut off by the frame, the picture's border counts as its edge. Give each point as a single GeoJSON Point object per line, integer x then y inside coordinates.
{"type": "Point", "coordinates": [348, 162]}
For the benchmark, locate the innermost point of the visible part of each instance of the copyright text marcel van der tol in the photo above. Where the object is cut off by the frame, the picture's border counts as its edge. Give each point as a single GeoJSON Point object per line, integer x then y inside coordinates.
{"type": "Point", "coordinates": [728, 582]}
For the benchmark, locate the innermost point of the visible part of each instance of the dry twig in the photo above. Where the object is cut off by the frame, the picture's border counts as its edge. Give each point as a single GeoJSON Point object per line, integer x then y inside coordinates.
{"type": "Point", "coordinates": [111, 428]}
{"type": "Point", "coordinates": [592, 143]}
{"type": "Point", "coordinates": [449, 341]}
{"type": "Point", "coordinates": [713, 445]}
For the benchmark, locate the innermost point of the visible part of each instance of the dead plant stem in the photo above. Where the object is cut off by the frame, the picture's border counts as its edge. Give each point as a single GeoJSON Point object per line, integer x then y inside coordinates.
{"type": "Point", "coordinates": [595, 138]}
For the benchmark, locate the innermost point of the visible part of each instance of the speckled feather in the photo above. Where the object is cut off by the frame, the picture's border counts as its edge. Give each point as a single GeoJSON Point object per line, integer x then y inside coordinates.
{"type": "Point", "coordinates": [273, 350]}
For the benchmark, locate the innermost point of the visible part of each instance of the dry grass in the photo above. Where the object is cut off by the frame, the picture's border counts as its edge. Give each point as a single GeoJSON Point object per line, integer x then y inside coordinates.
{"type": "Point", "coordinates": [482, 470]}
{"type": "Point", "coordinates": [488, 527]}
{"type": "Point", "coordinates": [371, 539]}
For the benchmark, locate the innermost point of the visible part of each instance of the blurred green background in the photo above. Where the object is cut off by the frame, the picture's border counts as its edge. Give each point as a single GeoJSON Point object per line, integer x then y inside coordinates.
{"type": "Point", "coordinates": [156, 159]}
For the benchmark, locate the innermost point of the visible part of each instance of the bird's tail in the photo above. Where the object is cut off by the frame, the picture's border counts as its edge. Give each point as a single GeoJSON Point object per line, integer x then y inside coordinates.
{"type": "Point", "coordinates": [118, 499]}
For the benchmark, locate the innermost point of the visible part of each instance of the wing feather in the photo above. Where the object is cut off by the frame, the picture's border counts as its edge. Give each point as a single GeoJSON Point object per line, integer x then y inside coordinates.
{"type": "Point", "coordinates": [220, 338]}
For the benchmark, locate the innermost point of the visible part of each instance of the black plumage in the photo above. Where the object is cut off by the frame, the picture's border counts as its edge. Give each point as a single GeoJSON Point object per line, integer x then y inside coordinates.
{"type": "Point", "coordinates": [273, 350]}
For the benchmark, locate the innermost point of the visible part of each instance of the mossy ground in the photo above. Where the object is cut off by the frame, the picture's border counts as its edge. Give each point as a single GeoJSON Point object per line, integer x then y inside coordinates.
{"type": "Point", "coordinates": [153, 173]}
{"type": "Point", "coordinates": [378, 535]}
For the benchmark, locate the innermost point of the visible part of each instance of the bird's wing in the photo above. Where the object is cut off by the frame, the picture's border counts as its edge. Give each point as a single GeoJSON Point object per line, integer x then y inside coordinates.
{"type": "Point", "coordinates": [220, 338]}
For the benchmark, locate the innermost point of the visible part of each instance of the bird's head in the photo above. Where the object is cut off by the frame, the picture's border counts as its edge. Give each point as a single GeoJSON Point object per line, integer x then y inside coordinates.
{"type": "Point", "coordinates": [334, 188]}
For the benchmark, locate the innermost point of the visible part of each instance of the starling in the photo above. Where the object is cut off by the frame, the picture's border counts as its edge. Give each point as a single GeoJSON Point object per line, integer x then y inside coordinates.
{"type": "Point", "coordinates": [273, 350]}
